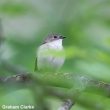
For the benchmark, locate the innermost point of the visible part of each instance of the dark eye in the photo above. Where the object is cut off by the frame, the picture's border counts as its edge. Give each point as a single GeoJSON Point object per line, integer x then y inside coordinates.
{"type": "Point", "coordinates": [55, 36]}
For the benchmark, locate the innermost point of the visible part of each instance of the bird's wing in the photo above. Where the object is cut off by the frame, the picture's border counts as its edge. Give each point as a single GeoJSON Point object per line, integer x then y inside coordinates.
{"type": "Point", "coordinates": [35, 68]}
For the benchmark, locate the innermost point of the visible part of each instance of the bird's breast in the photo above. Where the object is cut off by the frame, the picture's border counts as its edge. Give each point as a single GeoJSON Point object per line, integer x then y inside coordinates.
{"type": "Point", "coordinates": [50, 57]}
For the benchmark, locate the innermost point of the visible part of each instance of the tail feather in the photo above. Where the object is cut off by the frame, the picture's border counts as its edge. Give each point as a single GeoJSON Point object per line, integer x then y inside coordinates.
{"type": "Point", "coordinates": [35, 68]}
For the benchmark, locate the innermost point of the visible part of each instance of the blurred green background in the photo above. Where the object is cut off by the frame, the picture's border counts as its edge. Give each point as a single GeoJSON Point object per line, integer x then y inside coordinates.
{"type": "Point", "coordinates": [85, 23]}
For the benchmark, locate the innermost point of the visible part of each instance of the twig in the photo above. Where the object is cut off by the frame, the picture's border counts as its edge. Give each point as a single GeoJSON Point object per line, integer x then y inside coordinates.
{"type": "Point", "coordinates": [66, 105]}
{"type": "Point", "coordinates": [22, 76]}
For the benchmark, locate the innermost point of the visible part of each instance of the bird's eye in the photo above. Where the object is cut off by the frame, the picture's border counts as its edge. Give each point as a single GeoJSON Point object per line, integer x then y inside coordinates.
{"type": "Point", "coordinates": [55, 36]}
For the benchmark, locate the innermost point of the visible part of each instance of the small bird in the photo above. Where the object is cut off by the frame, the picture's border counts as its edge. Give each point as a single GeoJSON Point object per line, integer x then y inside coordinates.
{"type": "Point", "coordinates": [50, 55]}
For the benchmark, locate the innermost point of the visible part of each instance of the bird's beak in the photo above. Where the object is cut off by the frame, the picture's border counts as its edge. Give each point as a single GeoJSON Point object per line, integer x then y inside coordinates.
{"type": "Point", "coordinates": [62, 37]}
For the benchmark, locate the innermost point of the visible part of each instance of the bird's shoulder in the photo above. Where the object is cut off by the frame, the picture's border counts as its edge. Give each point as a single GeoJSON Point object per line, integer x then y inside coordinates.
{"type": "Point", "coordinates": [44, 46]}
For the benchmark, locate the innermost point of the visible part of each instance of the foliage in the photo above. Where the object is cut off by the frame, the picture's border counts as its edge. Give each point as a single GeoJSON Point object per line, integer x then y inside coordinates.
{"type": "Point", "coordinates": [86, 24]}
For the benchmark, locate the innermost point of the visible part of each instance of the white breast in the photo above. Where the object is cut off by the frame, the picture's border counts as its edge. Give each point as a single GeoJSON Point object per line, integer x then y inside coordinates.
{"type": "Point", "coordinates": [50, 61]}
{"type": "Point", "coordinates": [57, 44]}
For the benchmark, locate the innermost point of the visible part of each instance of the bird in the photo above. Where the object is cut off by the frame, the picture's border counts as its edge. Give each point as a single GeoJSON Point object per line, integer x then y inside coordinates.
{"type": "Point", "coordinates": [50, 55]}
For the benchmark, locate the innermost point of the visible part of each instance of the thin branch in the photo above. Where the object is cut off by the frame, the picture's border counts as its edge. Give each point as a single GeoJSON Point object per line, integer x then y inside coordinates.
{"type": "Point", "coordinates": [67, 104]}
{"type": "Point", "coordinates": [22, 76]}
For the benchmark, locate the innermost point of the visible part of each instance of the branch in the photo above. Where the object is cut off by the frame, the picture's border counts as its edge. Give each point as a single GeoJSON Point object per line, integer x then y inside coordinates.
{"type": "Point", "coordinates": [29, 80]}
{"type": "Point", "coordinates": [66, 105]}
{"type": "Point", "coordinates": [22, 76]}
{"type": "Point", "coordinates": [26, 78]}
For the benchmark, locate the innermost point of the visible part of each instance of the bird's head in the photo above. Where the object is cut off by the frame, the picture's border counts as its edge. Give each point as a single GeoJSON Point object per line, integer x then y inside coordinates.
{"type": "Point", "coordinates": [52, 38]}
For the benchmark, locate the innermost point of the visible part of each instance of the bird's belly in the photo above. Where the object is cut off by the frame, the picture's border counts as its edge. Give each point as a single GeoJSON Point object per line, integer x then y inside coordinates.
{"type": "Point", "coordinates": [50, 58]}
{"type": "Point", "coordinates": [50, 62]}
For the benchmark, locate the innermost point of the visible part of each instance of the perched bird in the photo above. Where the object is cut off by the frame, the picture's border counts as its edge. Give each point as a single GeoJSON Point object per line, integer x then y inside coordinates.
{"type": "Point", "coordinates": [50, 55]}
